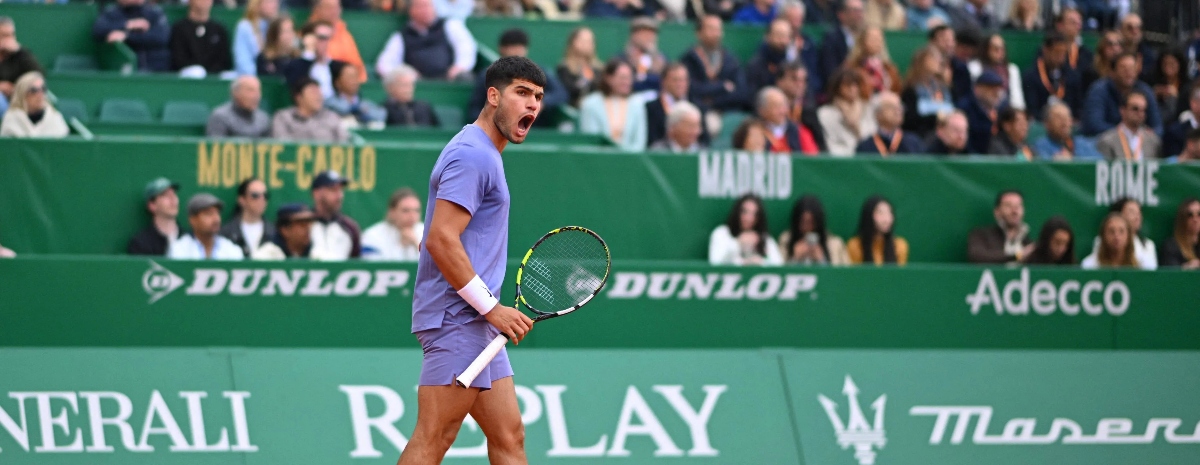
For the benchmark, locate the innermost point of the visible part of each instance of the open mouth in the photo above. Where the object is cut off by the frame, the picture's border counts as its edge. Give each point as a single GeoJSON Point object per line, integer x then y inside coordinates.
{"type": "Point", "coordinates": [524, 124]}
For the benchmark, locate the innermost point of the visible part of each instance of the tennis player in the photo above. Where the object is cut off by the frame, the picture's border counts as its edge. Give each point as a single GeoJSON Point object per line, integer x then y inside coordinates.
{"type": "Point", "coordinates": [461, 268]}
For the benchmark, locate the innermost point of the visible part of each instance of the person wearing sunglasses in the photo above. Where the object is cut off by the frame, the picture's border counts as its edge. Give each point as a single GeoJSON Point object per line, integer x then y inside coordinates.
{"type": "Point", "coordinates": [30, 113]}
{"type": "Point", "coordinates": [247, 228]}
{"type": "Point", "coordinates": [1182, 249]}
{"type": "Point", "coordinates": [1131, 140]}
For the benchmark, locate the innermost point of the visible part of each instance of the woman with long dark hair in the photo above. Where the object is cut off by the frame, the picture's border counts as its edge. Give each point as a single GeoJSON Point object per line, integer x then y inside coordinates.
{"type": "Point", "coordinates": [876, 241]}
{"type": "Point", "coordinates": [1055, 244]}
{"type": "Point", "coordinates": [1182, 249]}
{"type": "Point", "coordinates": [807, 240]}
{"type": "Point", "coordinates": [744, 239]}
{"type": "Point", "coordinates": [1170, 83]}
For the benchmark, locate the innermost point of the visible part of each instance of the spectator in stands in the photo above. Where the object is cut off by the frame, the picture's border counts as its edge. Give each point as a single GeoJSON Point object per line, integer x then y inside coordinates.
{"type": "Point", "coordinates": [618, 9]}
{"type": "Point", "coordinates": [402, 108]}
{"type": "Point", "coordinates": [1116, 245]}
{"type": "Point", "coordinates": [772, 131]}
{"type": "Point", "coordinates": [1102, 108]}
{"type": "Point", "coordinates": [889, 139]}
{"type": "Point", "coordinates": [1182, 249]}
{"type": "Point", "coordinates": [1169, 83]}
{"type": "Point", "coordinates": [674, 91]}
{"type": "Point", "coordinates": [684, 128]}
{"type": "Point", "coordinates": [1055, 244]}
{"type": "Point", "coordinates": [314, 62]}
{"type": "Point", "coordinates": [246, 227]}
{"type": "Point", "coordinates": [1176, 133]}
{"type": "Point", "coordinates": [250, 36]}
{"type": "Point", "coordinates": [974, 15]}
{"type": "Point", "coordinates": [293, 238]}
{"type": "Point", "coordinates": [820, 12]}
{"type": "Point", "coordinates": [870, 56]}
{"type": "Point", "coordinates": [1143, 247]}
{"type": "Point", "coordinates": [279, 49]}
{"type": "Point", "coordinates": [642, 54]}
{"type": "Point", "coordinates": [1069, 23]}
{"type": "Point", "coordinates": [876, 224]}
{"type": "Point", "coordinates": [199, 45]}
{"type": "Point", "coordinates": [613, 111]}
{"type": "Point", "coordinates": [803, 48]}
{"type": "Point", "coordinates": [31, 114]}
{"type": "Point", "coordinates": [500, 9]}
{"type": "Point", "coordinates": [1131, 42]}
{"type": "Point", "coordinates": [744, 239]}
{"type": "Point", "coordinates": [807, 241]}
{"type": "Point", "coordinates": [204, 242]}
{"type": "Point", "coordinates": [888, 15]}
{"type": "Point", "coordinates": [756, 13]}
{"type": "Point", "coordinates": [580, 68]}
{"type": "Point", "coordinates": [994, 57]}
{"type": "Point", "coordinates": [162, 201]}
{"type": "Point", "coordinates": [454, 9]}
{"type": "Point", "coordinates": [1108, 49]}
{"type": "Point", "coordinates": [1024, 16]}
{"type": "Point", "coordinates": [848, 117]}
{"type": "Point", "coordinates": [770, 57]}
{"type": "Point", "coordinates": [398, 236]}
{"type": "Point", "coordinates": [15, 60]}
{"type": "Point", "coordinates": [436, 48]}
{"type": "Point", "coordinates": [1058, 143]}
{"type": "Point", "coordinates": [983, 110]}
{"type": "Point", "coordinates": [793, 81]}
{"type": "Point", "coordinates": [1051, 79]}
{"type": "Point", "coordinates": [924, 15]}
{"type": "Point", "coordinates": [1191, 150]}
{"type": "Point", "coordinates": [1010, 139]}
{"type": "Point", "coordinates": [836, 44]}
{"type": "Point", "coordinates": [1006, 241]}
{"type": "Point", "coordinates": [341, 44]}
{"type": "Point", "coordinates": [926, 94]}
{"type": "Point", "coordinates": [957, 76]}
{"type": "Point", "coordinates": [241, 115]}
{"type": "Point", "coordinates": [354, 110]}
{"type": "Point", "coordinates": [717, 81]}
{"type": "Point", "coordinates": [308, 120]}
{"type": "Point", "coordinates": [335, 235]}
{"type": "Point", "coordinates": [142, 27]}
{"type": "Point", "coordinates": [515, 42]}
{"type": "Point", "coordinates": [951, 136]}
{"type": "Point", "coordinates": [1130, 140]}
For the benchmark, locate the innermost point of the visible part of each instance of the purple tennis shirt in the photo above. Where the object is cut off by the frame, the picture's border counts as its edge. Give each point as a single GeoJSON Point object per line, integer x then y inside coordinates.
{"type": "Point", "coordinates": [470, 173]}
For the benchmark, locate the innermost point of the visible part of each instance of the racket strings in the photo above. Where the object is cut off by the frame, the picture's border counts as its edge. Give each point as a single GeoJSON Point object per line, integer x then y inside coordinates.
{"type": "Point", "coordinates": [563, 270]}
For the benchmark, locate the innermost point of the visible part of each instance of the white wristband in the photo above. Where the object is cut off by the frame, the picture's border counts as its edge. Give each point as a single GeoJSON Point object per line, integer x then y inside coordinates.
{"type": "Point", "coordinates": [478, 295]}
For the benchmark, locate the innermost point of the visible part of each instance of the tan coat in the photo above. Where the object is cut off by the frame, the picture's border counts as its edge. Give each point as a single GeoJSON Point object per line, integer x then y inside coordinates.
{"type": "Point", "coordinates": [17, 124]}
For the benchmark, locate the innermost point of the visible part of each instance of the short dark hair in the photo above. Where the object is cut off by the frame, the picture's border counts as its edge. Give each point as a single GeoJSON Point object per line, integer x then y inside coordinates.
{"type": "Point", "coordinates": [311, 27]}
{"type": "Point", "coordinates": [1008, 115]}
{"type": "Point", "coordinates": [302, 83]}
{"type": "Point", "coordinates": [842, 77]}
{"type": "Point", "coordinates": [1122, 56]}
{"type": "Point", "coordinates": [1005, 192]}
{"type": "Point", "coordinates": [1053, 38]}
{"type": "Point", "coordinates": [672, 67]}
{"type": "Point", "coordinates": [789, 68]}
{"type": "Point", "coordinates": [968, 37]}
{"type": "Point", "coordinates": [508, 69]}
{"type": "Point", "coordinates": [610, 68]}
{"type": "Point", "coordinates": [1126, 97]}
{"type": "Point", "coordinates": [933, 33]}
{"type": "Point", "coordinates": [1062, 14]}
{"type": "Point", "coordinates": [514, 36]}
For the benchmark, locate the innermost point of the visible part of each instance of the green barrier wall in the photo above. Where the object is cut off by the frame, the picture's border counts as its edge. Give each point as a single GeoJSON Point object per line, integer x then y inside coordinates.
{"type": "Point", "coordinates": [144, 302]}
{"type": "Point", "coordinates": [648, 206]}
{"type": "Point", "coordinates": [143, 406]}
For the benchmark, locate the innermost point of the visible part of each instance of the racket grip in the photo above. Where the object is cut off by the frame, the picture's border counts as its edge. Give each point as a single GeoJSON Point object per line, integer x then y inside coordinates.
{"type": "Point", "coordinates": [484, 358]}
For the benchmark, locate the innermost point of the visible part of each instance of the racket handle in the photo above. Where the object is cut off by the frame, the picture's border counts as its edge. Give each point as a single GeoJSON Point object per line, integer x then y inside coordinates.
{"type": "Point", "coordinates": [484, 358]}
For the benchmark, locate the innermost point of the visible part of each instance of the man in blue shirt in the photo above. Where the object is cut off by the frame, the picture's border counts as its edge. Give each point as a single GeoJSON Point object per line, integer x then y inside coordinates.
{"type": "Point", "coordinates": [1058, 143]}
{"type": "Point", "coordinates": [983, 110]}
{"type": "Point", "coordinates": [1102, 108]}
{"type": "Point", "coordinates": [756, 13]}
{"type": "Point", "coordinates": [142, 27]}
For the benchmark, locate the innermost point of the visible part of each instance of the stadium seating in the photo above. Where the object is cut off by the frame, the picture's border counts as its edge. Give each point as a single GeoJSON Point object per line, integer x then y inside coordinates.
{"type": "Point", "coordinates": [121, 110]}
{"type": "Point", "coordinates": [185, 112]}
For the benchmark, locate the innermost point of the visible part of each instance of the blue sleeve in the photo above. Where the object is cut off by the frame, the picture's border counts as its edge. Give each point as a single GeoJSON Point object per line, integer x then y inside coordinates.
{"type": "Point", "coordinates": [245, 49]}
{"type": "Point", "coordinates": [463, 180]}
{"type": "Point", "coordinates": [158, 33]}
{"type": "Point", "coordinates": [109, 20]}
{"type": "Point", "coordinates": [556, 94]}
{"type": "Point", "coordinates": [1093, 110]}
{"type": "Point", "coordinates": [1085, 149]}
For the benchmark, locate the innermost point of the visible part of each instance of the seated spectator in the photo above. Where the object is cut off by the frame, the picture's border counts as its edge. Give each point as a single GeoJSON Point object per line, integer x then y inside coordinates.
{"type": "Point", "coordinates": [674, 91]}
{"type": "Point", "coordinates": [1051, 79]}
{"type": "Point", "coordinates": [1107, 51]}
{"type": "Point", "coordinates": [1191, 151]}
{"type": "Point", "coordinates": [454, 9]}
{"type": "Point", "coordinates": [1182, 249]}
{"type": "Point", "coordinates": [1143, 247]}
{"type": "Point", "coordinates": [724, 9]}
{"type": "Point", "coordinates": [402, 107]}
{"type": "Point", "coordinates": [398, 236]}
{"type": "Point", "coordinates": [335, 236]}
{"type": "Point", "coordinates": [354, 110]}
{"type": "Point", "coordinates": [642, 54]}
{"type": "Point", "coordinates": [756, 13]}
{"type": "Point", "coordinates": [1131, 42]}
{"type": "Point", "coordinates": [771, 131]}
{"type": "Point", "coordinates": [770, 57]}
{"type": "Point", "coordinates": [279, 49]}
{"type": "Point", "coordinates": [436, 48]}
{"type": "Point", "coordinates": [820, 12]}
{"type": "Point", "coordinates": [30, 114]}
{"type": "Point", "coordinates": [924, 15]}
{"type": "Point", "coordinates": [807, 241]}
{"type": "Point", "coordinates": [974, 15]}
{"type": "Point", "coordinates": [308, 120]}
{"type": "Point", "coordinates": [876, 224]}
{"type": "Point", "coordinates": [1006, 241]}
{"type": "Point", "coordinates": [926, 95]}
{"type": "Point", "coordinates": [341, 44]}
{"type": "Point", "coordinates": [198, 42]}
{"type": "Point", "coordinates": [744, 239]}
{"type": "Point", "coordinates": [1069, 23]}
{"type": "Point", "coordinates": [241, 115]}
{"type": "Point", "coordinates": [247, 228]}
{"type": "Point", "coordinates": [955, 48]}
{"type": "Point", "coordinates": [951, 136]}
{"type": "Point", "coordinates": [250, 36]}
{"type": "Point", "coordinates": [1059, 144]}
{"type": "Point", "coordinates": [870, 56]}
{"type": "Point", "coordinates": [142, 27]}
{"type": "Point", "coordinates": [848, 117]}
{"type": "Point", "coordinates": [889, 139]}
{"type": "Point", "coordinates": [1169, 83]}
{"type": "Point", "coordinates": [515, 42]}
{"type": "Point", "coordinates": [314, 62]}
{"type": "Point", "coordinates": [717, 81]}
{"type": "Point", "coordinates": [580, 68]}
{"type": "Point", "coordinates": [203, 243]}
{"type": "Point", "coordinates": [1055, 244]}
{"type": "Point", "coordinates": [1102, 108]}
{"type": "Point", "coordinates": [982, 111]}
{"type": "Point", "coordinates": [1010, 140]}
{"type": "Point", "coordinates": [1130, 140]}
{"type": "Point", "coordinates": [15, 60]}
{"type": "Point", "coordinates": [1024, 16]}
{"type": "Point", "coordinates": [162, 201]}
{"type": "Point", "coordinates": [293, 238]}
{"type": "Point", "coordinates": [683, 130]}
{"type": "Point", "coordinates": [888, 15]}
{"type": "Point", "coordinates": [994, 58]}
{"type": "Point", "coordinates": [1116, 245]}
{"type": "Point", "coordinates": [793, 81]}
{"type": "Point", "coordinates": [613, 111]}
{"type": "Point", "coordinates": [835, 46]}
{"type": "Point", "coordinates": [618, 9]}
{"type": "Point", "coordinates": [1175, 134]}
{"type": "Point", "coordinates": [803, 48]}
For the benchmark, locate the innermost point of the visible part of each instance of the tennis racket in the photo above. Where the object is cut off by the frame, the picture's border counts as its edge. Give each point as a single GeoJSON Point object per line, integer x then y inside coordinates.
{"type": "Point", "coordinates": [563, 270]}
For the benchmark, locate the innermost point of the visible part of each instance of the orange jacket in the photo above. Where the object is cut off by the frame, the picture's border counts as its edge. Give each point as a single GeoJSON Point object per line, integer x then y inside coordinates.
{"type": "Point", "coordinates": [343, 48]}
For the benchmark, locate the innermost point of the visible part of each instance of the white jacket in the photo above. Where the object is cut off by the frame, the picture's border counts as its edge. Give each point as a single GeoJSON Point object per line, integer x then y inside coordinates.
{"type": "Point", "coordinates": [724, 249]}
{"type": "Point", "coordinates": [17, 124]}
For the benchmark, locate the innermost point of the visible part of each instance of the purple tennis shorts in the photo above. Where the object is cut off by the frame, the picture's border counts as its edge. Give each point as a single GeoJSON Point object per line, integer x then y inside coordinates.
{"type": "Point", "coordinates": [449, 350]}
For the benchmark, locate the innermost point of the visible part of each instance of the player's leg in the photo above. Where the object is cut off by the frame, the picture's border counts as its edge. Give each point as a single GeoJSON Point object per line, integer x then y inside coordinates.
{"type": "Point", "coordinates": [440, 413]}
{"type": "Point", "coordinates": [499, 416]}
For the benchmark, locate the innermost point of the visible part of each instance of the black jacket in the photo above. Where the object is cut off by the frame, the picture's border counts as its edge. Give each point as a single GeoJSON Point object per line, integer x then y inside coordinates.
{"type": "Point", "coordinates": [149, 241]}
{"type": "Point", "coordinates": [206, 44]}
{"type": "Point", "coordinates": [233, 231]}
{"type": "Point", "coordinates": [710, 91]}
{"type": "Point", "coordinates": [656, 122]}
{"type": "Point", "coordinates": [986, 245]}
{"type": "Point", "coordinates": [413, 114]}
{"type": "Point", "coordinates": [18, 64]}
{"type": "Point", "coordinates": [1037, 96]}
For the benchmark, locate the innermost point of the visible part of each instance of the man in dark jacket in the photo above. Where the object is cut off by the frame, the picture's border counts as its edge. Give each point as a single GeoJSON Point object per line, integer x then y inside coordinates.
{"type": "Point", "coordinates": [14, 59]}
{"type": "Point", "coordinates": [142, 27]}
{"type": "Point", "coordinates": [717, 81]}
{"type": "Point", "coordinates": [840, 39]}
{"type": "Point", "coordinates": [162, 201]}
{"type": "Point", "coordinates": [889, 139]}
{"type": "Point", "coordinates": [793, 80]}
{"type": "Point", "coordinates": [1102, 108]}
{"type": "Point", "coordinates": [198, 40]}
{"type": "Point", "coordinates": [402, 107]}
{"type": "Point", "coordinates": [1008, 240]}
{"type": "Point", "coordinates": [983, 110]}
{"type": "Point", "coordinates": [1051, 78]}
{"type": "Point", "coordinates": [674, 90]}
{"type": "Point", "coordinates": [770, 57]}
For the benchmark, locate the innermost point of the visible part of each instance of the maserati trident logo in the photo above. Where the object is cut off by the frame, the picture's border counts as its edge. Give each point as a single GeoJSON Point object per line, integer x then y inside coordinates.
{"type": "Point", "coordinates": [159, 281]}
{"type": "Point", "coordinates": [856, 431]}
